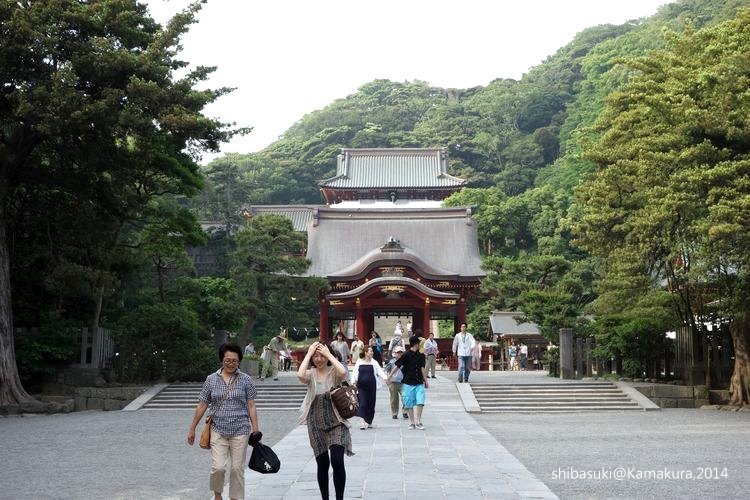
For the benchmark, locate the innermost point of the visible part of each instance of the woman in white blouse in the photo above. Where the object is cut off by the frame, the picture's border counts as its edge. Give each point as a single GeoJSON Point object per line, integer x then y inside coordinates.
{"type": "Point", "coordinates": [364, 376]}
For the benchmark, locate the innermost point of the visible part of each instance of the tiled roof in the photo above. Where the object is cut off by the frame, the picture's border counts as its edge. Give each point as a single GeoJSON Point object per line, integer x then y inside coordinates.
{"type": "Point", "coordinates": [444, 238]}
{"type": "Point", "coordinates": [392, 168]}
{"type": "Point", "coordinates": [300, 215]}
{"type": "Point", "coordinates": [503, 322]}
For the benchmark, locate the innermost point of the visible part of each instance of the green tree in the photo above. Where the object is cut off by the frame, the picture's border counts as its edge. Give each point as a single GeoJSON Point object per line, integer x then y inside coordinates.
{"type": "Point", "coordinates": [162, 341]}
{"type": "Point", "coordinates": [214, 300]}
{"type": "Point", "coordinates": [90, 109]}
{"type": "Point", "coordinates": [169, 229]}
{"type": "Point", "coordinates": [269, 253]}
{"type": "Point", "coordinates": [670, 200]}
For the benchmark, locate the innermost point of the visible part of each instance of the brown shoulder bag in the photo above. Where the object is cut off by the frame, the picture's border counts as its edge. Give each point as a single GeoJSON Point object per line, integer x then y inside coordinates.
{"type": "Point", "coordinates": [345, 399]}
{"type": "Point", "coordinates": [205, 441]}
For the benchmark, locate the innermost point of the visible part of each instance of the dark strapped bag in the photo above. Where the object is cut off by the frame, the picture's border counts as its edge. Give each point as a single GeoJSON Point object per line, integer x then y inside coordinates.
{"type": "Point", "coordinates": [345, 399]}
{"type": "Point", "coordinates": [263, 459]}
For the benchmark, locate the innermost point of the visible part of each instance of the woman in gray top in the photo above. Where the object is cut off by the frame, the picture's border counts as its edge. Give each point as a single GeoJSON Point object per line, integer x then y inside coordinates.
{"type": "Point", "coordinates": [328, 432]}
{"type": "Point", "coordinates": [341, 349]}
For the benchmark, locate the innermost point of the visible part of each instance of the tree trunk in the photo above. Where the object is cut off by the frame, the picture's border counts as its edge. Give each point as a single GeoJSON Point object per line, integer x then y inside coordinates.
{"type": "Point", "coordinates": [11, 390]}
{"type": "Point", "coordinates": [739, 386]}
{"type": "Point", "coordinates": [246, 330]}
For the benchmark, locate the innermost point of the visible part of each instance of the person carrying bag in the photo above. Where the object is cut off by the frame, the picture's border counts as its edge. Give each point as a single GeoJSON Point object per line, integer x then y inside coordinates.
{"type": "Point", "coordinates": [230, 394]}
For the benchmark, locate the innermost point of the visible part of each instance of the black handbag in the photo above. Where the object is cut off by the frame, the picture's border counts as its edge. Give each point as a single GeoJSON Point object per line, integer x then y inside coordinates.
{"type": "Point", "coordinates": [263, 459]}
{"type": "Point", "coordinates": [346, 400]}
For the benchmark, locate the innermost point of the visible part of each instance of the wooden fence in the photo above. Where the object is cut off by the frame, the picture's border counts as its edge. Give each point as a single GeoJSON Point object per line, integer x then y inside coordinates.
{"type": "Point", "coordinates": [97, 348]}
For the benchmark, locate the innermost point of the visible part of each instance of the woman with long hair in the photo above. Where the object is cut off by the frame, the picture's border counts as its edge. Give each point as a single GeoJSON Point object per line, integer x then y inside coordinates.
{"type": "Point", "coordinates": [329, 434]}
{"type": "Point", "coordinates": [340, 348]}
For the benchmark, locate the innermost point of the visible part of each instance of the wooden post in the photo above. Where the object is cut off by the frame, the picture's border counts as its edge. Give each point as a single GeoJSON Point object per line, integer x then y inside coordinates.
{"type": "Point", "coordinates": [360, 327]}
{"type": "Point", "coordinates": [460, 314]}
{"type": "Point", "coordinates": [426, 318]}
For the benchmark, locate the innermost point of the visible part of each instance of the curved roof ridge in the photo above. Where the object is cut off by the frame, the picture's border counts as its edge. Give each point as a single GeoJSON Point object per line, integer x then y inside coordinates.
{"type": "Point", "coordinates": [393, 280]}
{"type": "Point", "coordinates": [378, 255]}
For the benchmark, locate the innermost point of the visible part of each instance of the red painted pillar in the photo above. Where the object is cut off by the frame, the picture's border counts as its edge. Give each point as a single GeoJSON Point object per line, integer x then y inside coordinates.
{"type": "Point", "coordinates": [360, 326]}
{"type": "Point", "coordinates": [369, 325]}
{"type": "Point", "coordinates": [324, 337]}
{"type": "Point", "coordinates": [460, 313]}
{"type": "Point", "coordinates": [426, 318]}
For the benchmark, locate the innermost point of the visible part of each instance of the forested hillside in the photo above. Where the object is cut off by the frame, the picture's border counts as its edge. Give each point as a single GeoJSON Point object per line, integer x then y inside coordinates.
{"type": "Point", "coordinates": [503, 135]}
{"type": "Point", "coordinates": [524, 146]}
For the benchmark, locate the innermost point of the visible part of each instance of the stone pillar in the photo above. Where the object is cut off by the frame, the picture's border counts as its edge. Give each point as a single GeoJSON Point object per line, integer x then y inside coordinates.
{"type": "Point", "coordinates": [426, 318]}
{"type": "Point", "coordinates": [589, 359]}
{"type": "Point", "coordinates": [324, 336]}
{"type": "Point", "coordinates": [566, 353]}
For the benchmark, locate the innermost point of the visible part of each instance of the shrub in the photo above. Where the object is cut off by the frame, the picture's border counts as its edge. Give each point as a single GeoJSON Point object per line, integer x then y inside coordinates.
{"type": "Point", "coordinates": [159, 341]}
{"type": "Point", "coordinates": [41, 352]}
{"type": "Point", "coordinates": [551, 360]}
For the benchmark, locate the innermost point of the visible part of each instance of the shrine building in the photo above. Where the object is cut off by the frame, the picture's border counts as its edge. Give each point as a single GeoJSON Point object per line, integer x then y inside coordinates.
{"type": "Point", "coordinates": [385, 243]}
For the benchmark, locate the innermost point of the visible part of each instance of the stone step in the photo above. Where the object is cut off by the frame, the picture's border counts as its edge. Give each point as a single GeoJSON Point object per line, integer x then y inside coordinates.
{"type": "Point", "coordinates": [549, 384]}
{"type": "Point", "coordinates": [500, 393]}
{"type": "Point", "coordinates": [552, 397]}
{"type": "Point", "coordinates": [266, 406]}
{"type": "Point", "coordinates": [185, 396]}
{"type": "Point", "coordinates": [529, 404]}
{"type": "Point", "coordinates": [560, 409]}
{"type": "Point", "coordinates": [545, 386]}
{"type": "Point", "coordinates": [535, 400]}
{"type": "Point", "coordinates": [264, 393]}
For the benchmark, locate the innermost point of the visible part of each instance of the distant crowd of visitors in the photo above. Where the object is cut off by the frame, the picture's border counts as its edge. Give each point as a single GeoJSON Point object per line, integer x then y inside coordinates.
{"type": "Point", "coordinates": [228, 395]}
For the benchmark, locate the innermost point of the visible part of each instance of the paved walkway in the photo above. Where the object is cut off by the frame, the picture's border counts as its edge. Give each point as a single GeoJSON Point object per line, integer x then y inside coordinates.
{"type": "Point", "coordinates": [452, 458]}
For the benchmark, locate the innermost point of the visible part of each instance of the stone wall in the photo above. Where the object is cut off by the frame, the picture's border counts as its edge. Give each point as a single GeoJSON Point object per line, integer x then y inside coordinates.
{"type": "Point", "coordinates": [105, 398]}
{"type": "Point", "coordinates": [675, 396]}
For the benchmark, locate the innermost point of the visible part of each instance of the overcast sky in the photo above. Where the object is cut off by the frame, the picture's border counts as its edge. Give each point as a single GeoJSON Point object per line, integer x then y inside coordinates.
{"type": "Point", "coordinates": [288, 58]}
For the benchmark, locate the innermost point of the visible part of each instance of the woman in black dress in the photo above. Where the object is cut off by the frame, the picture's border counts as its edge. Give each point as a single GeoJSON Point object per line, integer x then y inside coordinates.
{"type": "Point", "coordinates": [364, 376]}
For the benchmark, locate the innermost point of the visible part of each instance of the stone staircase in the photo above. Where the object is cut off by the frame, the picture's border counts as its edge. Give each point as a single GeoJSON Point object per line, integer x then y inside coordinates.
{"type": "Point", "coordinates": [552, 397]}
{"type": "Point", "coordinates": [272, 396]}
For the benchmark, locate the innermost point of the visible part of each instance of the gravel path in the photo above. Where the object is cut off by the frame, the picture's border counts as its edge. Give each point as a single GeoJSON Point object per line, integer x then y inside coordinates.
{"type": "Point", "coordinates": [556, 447]}
{"type": "Point", "coordinates": [114, 455]}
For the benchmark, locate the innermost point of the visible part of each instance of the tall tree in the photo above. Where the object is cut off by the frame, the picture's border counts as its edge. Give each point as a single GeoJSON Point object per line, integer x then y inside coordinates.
{"type": "Point", "coordinates": [90, 108]}
{"type": "Point", "coordinates": [269, 252]}
{"type": "Point", "coordinates": [670, 199]}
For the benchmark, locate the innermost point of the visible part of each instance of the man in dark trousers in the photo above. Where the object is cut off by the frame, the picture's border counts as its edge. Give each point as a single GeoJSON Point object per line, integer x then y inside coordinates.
{"type": "Point", "coordinates": [414, 382]}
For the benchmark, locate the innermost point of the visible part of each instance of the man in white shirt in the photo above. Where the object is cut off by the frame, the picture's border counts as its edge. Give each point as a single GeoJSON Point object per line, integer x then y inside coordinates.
{"type": "Point", "coordinates": [463, 343]}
